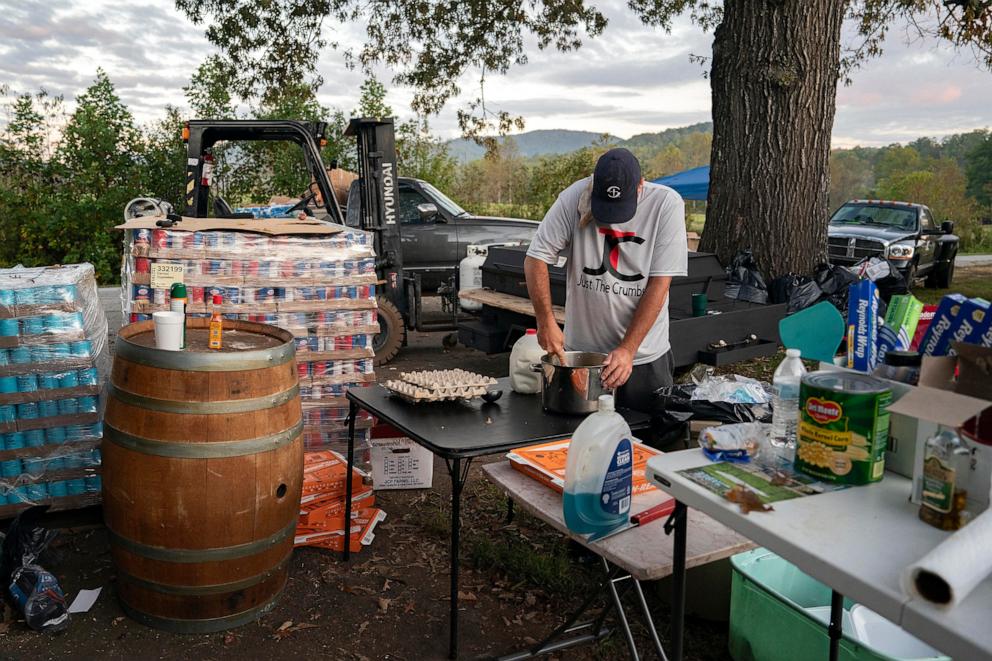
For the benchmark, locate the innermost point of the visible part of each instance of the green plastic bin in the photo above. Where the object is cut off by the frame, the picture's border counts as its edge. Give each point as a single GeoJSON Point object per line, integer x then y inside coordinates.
{"type": "Point", "coordinates": [768, 617]}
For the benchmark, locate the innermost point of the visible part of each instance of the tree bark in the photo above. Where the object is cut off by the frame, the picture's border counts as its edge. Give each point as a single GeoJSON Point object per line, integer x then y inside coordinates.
{"type": "Point", "coordinates": [774, 86]}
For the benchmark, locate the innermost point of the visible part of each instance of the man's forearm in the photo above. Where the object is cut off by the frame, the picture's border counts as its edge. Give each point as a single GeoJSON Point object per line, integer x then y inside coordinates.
{"type": "Point", "coordinates": [539, 289]}
{"type": "Point", "coordinates": [648, 309]}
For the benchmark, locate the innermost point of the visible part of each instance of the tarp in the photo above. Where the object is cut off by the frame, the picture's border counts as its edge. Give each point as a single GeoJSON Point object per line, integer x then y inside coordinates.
{"type": "Point", "coordinates": [691, 184]}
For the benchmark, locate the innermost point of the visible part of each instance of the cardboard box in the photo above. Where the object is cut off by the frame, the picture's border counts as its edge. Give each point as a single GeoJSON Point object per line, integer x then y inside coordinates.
{"type": "Point", "coordinates": [969, 321]}
{"type": "Point", "coordinates": [941, 402]}
{"type": "Point", "coordinates": [399, 463]}
{"type": "Point", "coordinates": [903, 316]}
{"type": "Point", "coordinates": [937, 338]}
{"type": "Point", "coordinates": [862, 326]}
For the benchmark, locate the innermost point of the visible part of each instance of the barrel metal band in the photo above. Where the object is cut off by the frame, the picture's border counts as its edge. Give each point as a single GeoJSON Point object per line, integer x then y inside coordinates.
{"type": "Point", "coordinates": [202, 555]}
{"type": "Point", "coordinates": [213, 450]}
{"type": "Point", "coordinates": [202, 590]}
{"type": "Point", "coordinates": [211, 625]}
{"type": "Point", "coordinates": [206, 408]}
{"type": "Point", "coordinates": [214, 361]}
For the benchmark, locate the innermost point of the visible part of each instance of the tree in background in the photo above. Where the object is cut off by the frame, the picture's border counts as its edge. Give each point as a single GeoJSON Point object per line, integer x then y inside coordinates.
{"type": "Point", "coordinates": [851, 176]}
{"type": "Point", "coordinates": [775, 68]}
{"type": "Point", "coordinates": [979, 171]}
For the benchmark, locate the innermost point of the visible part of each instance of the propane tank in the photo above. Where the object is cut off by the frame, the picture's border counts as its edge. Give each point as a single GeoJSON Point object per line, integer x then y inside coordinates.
{"type": "Point", "coordinates": [470, 275]}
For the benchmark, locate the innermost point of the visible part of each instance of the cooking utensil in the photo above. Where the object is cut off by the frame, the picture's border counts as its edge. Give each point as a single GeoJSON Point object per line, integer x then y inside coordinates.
{"type": "Point", "coordinates": [817, 332]}
{"type": "Point", "coordinates": [574, 387]}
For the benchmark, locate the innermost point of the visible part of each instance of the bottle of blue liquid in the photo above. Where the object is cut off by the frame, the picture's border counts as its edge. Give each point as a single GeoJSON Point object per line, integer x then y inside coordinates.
{"type": "Point", "coordinates": [598, 472]}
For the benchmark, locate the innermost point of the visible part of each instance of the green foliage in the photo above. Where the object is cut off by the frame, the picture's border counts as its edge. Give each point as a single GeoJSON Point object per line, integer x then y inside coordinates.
{"type": "Point", "coordinates": [979, 171]}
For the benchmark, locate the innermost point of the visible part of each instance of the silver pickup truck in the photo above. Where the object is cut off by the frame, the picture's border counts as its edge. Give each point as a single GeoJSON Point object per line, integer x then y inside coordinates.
{"type": "Point", "coordinates": [904, 233]}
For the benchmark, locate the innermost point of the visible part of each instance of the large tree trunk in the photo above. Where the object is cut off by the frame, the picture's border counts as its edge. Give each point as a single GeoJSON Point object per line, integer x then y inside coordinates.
{"type": "Point", "coordinates": [774, 86]}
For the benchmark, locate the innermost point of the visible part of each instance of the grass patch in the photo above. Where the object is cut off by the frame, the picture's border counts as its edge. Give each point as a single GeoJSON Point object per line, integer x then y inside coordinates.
{"type": "Point", "coordinates": [972, 282]}
{"type": "Point", "coordinates": [550, 569]}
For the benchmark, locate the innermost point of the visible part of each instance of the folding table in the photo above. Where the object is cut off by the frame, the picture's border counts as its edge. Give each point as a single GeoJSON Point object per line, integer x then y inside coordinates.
{"type": "Point", "coordinates": [458, 432]}
{"type": "Point", "coordinates": [857, 541]}
{"type": "Point", "coordinates": [639, 554]}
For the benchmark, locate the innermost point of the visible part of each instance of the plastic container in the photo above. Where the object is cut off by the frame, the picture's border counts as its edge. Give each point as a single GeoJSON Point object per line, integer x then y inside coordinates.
{"type": "Point", "coordinates": [598, 472]}
{"type": "Point", "coordinates": [168, 330]}
{"type": "Point", "coordinates": [470, 275]}
{"type": "Point", "coordinates": [775, 615]}
{"type": "Point", "coordinates": [526, 352]}
{"type": "Point", "coordinates": [785, 406]}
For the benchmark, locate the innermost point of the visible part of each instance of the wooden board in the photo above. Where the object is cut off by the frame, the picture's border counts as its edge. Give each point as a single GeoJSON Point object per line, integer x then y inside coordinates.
{"type": "Point", "coordinates": [508, 302]}
{"type": "Point", "coordinates": [274, 226]}
{"type": "Point", "coordinates": [645, 551]}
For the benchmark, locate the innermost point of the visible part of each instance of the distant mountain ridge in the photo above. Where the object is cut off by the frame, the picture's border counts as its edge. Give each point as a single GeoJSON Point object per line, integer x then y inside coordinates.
{"type": "Point", "coordinates": [562, 141]}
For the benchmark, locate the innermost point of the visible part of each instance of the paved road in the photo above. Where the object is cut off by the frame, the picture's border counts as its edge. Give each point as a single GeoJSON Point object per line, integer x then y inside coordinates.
{"type": "Point", "coordinates": [973, 260]}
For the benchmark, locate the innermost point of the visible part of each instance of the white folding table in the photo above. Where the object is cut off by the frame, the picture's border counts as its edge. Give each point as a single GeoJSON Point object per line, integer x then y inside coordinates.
{"type": "Point", "coordinates": [857, 541]}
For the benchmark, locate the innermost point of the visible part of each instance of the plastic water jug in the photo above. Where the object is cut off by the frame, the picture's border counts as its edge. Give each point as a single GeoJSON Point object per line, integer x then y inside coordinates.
{"type": "Point", "coordinates": [598, 472]}
{"type": "Point", "coordinates": [526, 351]}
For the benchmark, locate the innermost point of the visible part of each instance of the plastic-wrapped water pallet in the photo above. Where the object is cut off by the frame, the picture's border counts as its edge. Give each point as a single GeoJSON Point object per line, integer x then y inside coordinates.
{"type": "Point", "coordinates": [320, 287]}
{"type": "Point", "coordinates": [53, 362]}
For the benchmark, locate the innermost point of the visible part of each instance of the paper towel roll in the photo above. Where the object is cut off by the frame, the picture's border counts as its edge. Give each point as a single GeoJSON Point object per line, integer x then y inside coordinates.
{"type": "Point", "coordinates": [948, 573]}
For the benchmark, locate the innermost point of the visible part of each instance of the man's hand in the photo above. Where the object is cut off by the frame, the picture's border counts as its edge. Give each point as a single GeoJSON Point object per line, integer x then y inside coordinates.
{"type": "Point", "coordinates": [552, 340]}
{"type": "Point", "coordinates": [618, 366]}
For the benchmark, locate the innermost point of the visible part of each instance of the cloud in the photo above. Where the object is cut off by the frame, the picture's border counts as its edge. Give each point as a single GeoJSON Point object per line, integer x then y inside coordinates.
{"type": "Point", "coordinates": [632, 79]}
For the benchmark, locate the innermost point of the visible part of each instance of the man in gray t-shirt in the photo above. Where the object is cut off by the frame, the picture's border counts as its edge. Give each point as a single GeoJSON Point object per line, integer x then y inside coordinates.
{"type": "Point", "coordinates": [624, 240]}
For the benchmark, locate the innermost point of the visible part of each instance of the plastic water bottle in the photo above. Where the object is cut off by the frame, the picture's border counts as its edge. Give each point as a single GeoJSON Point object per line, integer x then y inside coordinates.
{"type": "Point", "coordinates": [598, 472]}
{"type": "Point", "coordinates": [785, 407]}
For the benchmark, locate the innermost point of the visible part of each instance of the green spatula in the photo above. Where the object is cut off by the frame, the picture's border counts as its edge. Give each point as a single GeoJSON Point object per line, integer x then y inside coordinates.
{"type": "Point", "coordinates": [816, 331]}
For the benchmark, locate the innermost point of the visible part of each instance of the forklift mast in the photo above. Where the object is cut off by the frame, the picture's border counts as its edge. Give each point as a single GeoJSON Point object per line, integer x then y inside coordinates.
{"type": "Point", "coordinates": [202, 134]}
{"type": "Point", "coordinates": [379, 193]}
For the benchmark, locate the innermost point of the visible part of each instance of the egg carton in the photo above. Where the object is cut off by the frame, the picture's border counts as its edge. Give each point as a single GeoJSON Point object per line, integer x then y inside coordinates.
{"type": "Point", "coordinates": [446, 379]}
{"type": "Point", "coordinates": [414, 393]}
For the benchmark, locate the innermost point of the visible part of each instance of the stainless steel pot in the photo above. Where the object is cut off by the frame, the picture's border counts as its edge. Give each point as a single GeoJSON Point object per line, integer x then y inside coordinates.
{"type": "Point", "coordinates": [574, 387]}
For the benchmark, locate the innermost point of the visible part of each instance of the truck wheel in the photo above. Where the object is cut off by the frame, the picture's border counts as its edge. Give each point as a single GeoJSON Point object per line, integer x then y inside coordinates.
{"type": "Point", "coordinates": [942, 277]}
{"type": "Point", "coordinates": [910, 276]}
{"type": "Point", "coordinates": [392, 331]}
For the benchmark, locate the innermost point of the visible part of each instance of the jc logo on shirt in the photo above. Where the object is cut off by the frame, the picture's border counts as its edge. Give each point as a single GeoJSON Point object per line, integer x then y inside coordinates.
{"type": "Point", "coordinates": [611, 254]}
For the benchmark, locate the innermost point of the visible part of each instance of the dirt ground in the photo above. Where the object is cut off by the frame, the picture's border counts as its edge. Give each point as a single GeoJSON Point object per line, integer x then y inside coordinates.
{"type": "Point", "coordinates": [519, 580]}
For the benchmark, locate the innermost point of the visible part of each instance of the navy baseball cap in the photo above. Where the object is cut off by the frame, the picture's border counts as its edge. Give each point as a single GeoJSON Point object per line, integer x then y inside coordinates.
{"type": "Point", "coordinates": [614, 186]}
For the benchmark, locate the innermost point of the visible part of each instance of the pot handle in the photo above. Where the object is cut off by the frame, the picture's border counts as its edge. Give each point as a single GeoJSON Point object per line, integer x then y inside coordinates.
{"type": "Point", "coordinates": [536, 367]}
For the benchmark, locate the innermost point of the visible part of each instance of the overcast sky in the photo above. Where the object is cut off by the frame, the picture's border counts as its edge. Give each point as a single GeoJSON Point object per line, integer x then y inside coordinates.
{"type": "Point", "coordinates": [631, 80]}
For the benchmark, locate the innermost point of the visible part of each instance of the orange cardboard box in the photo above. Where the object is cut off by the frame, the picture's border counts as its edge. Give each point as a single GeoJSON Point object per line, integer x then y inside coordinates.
{"type": "Point", "coordinates": [361, 532]}
{"type": "Point", "coordinates": [545, 462]}
{"type": "Point", "coordinates": [324, 472]}
{"type": "Point", "coordinates": [328, 511]}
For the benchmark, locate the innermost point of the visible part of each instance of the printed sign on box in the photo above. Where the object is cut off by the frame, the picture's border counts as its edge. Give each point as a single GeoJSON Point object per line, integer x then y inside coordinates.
{"type": "Point", "coordinates": [164, 274]}
{"type": "Point", "coordinates": [399, 463]}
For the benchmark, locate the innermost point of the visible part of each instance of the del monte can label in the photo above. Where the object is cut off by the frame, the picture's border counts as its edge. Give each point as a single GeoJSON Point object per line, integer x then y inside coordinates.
{"type": "Point", "coordinates": [843, 427]}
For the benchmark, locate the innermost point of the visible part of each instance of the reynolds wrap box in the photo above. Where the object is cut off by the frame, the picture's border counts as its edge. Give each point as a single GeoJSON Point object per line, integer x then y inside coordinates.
{"type": "Point", "coordinates": [938, 337]}
{"type": "Point", "coordinates": [971, 323]}
{"type": "Point", "coordinates": [862, 326]}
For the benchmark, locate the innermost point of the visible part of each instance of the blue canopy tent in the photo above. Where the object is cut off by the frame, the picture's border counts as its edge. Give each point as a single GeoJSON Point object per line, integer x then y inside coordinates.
{"type": "Point", "coordinates": [691, 184]}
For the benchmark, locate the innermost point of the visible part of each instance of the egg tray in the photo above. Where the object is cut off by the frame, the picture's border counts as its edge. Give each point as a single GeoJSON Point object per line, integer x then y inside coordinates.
{"type": "Point", "coordinates": [442, 379]}
{"type": "Point", "coordinates": [440, 385]}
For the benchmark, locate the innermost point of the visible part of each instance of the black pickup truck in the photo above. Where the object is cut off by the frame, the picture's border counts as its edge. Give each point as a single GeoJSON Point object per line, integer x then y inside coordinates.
{"type": "Point", "coordinates": [904, 233]}
{"type": "Point", "coordinates": [436, 232]}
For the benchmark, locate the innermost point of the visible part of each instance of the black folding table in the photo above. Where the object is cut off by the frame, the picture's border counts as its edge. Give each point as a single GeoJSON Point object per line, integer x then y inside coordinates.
{"type": "Point", "coordinates": [458, 432]}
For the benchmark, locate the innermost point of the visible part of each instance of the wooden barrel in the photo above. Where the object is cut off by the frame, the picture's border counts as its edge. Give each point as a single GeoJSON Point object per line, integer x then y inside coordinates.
{"type": "Point", "coordinates": [202, 472]}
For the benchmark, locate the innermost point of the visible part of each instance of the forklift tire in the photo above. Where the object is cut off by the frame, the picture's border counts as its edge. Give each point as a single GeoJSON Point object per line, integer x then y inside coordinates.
{"type": "Point", "coordinates": [392, 333]}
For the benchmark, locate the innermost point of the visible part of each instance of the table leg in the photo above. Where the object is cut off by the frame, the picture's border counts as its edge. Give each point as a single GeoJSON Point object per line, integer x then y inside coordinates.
{"type": "Point", "coordinates": [611, 588]}
{"type": "Point", "coordinates": [352, 414]}
{"type": "Point", "coordinates": [459, 475]}
{"type": "Point", "coordinates": [648, 619]}
{"type": "Point", "coordinates": [509, 510]}
{"type": "Point", "coordinates": [835, 629]}
{"type": "Point", "coordinates": [677, 523]}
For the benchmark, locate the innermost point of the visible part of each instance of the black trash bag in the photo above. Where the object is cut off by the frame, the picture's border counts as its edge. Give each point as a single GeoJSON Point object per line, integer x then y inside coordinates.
{"type": "Point", "coordinates": [834, 281]}
{"type": "Point", "coordinates": [676, 402]}
{"type": "Point", "coordinates": [780, 289]}
{"type": "Point", "coordinates": [744, 281]}
{"type": "Point", "coordinates": [35, 592]}
{"type": "Point", "coordinates": [805, 294]}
